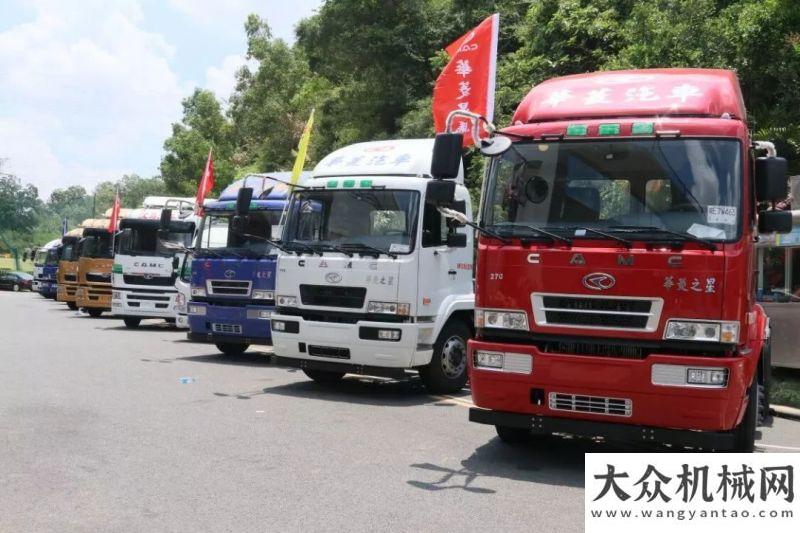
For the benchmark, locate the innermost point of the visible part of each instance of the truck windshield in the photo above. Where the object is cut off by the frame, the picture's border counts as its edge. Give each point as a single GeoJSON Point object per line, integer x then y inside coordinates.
{"type": "Point", "coordinates": [52, 256]}
{"type": "Point", "coordinates": [70, 251]}
{"type": "Point", "coordinates": [658, 188]}
{"type": "Point", "coordinates": [40, 258]}
{"type": "Point", "coordinates": [218, 235]}
{"type": "Point", "coordinates": [97, 246]}
{"type": "Point", "coordinates": [148, 240]}
{"type": "Point", "coordinates": [374, 220]}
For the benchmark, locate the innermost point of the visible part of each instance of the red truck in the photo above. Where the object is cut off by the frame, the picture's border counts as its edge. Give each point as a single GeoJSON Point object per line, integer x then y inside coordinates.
{"type": "Point", "coordinates": [615, 278]}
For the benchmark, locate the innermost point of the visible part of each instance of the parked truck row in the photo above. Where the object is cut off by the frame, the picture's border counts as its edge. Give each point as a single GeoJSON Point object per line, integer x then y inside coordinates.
{"type": "Point", "coordinates": [610, 294]}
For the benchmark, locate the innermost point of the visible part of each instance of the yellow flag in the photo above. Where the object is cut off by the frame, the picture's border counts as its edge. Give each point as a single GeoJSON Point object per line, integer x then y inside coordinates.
{"type": "Point", "coordinates": [302, 148]}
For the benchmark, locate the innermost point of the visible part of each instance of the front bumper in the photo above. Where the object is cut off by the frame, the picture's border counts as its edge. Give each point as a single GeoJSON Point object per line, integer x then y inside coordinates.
{"type": "Point", "coordinates": [658, 406]}
{"type": "Point", "coordinates": [229, 324]}
{"type": "Point", "coordinates": [542, 425]}
{"type": "Point", "coordinates": [141, 304]}
{"type": "Point", "coordinates": [66, 292]}
{"type": "Point", "coordinates": [346, 341]}
{"type": "Point", "coordinates": [94, 297]}
{"type": "Point", "coordinates": [182, 321]}
{"type": "Point", "coordinates": [47, 288]}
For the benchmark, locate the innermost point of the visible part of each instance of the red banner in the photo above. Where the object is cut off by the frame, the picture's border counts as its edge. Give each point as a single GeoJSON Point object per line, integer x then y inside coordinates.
{"type": "Point", "coordinates": [206, 183]}
{"type": "Point", "coordinates": [467, 82]}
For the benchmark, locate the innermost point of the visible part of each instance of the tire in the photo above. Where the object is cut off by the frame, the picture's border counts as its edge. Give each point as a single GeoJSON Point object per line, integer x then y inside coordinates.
{"type": "Point", "coordinates": [94, 313]}
{"type": "Point", "coordinates": [324, 377]}
{"type": "Point", "coordinates": [512, 435]}
{"type": "Point", "coordinates": [15, 288]}
{"type": "Point", "coordinates": [447, 371]}
{"type": "Point", "coordinates": [132, 322]}
{"type": "Point", "coordinates": [230, 349]}
{"type": "Point", "coordinates": [72, 306]}
{"type": "Point", "coordinates": [745, 434]}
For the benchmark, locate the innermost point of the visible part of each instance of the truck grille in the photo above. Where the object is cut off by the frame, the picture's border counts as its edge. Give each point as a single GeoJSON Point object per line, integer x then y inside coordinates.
{"type": "Point", "coordinates": [227, 329]}
{"type": "Point", "coordinates": [349, 297]}
{"type": "Point", "coordinates": [596, 312]}
{"type": "Point", "coordinates": [98, 278]}
{"type": "Point", "coordinates": [329, 351]}
{"type": "Point", "coordinates": [162, 281]}
{"type": "Point", "coordinates": [596, 349]}
{"type": "Point", "coordinates": [224, 287]}
{"type": "Point", "coordinates": [559, 401]}
{"type": "Point", "coordinates": [71, 278]}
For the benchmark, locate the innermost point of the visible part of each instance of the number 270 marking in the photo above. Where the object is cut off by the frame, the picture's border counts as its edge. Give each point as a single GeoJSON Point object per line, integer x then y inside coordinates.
{"type": "Point", "coordinates": [495, 276]}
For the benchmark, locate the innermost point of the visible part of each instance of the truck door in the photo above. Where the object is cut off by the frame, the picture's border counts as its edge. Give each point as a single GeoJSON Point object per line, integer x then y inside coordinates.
{"type": "Point", "coordinates": [443, 270]}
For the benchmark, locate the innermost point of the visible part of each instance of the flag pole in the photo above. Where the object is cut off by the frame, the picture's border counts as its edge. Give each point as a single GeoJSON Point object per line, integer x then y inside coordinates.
{"type": "Point", "coordinates": [114, 231]}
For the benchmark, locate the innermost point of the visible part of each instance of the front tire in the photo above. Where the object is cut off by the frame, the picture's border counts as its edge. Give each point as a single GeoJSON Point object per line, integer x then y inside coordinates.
{"type": "Point", "coordinates": [131, 322]}
{"type": "Point", "coordinates": [232, 349]}
{"type": "Point", "coordinates": [324, 377]}
{"type": "Point", "coordinates": [15, 288]}
{"type": "Point", "coordinates": [447, 371]}
{"type": "Point", "coordinates": [72, 306]}
{"type": "Point", "coordinates": [94, 313]}
{"type": "Point", "coordinates": [745, 433]}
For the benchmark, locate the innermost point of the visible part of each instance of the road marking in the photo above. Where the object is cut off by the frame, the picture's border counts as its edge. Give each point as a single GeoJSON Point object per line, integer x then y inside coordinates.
{"type": "Point", "coordinates": [778, 447]}
{"type": "Point", "coordinates": [463, 402]}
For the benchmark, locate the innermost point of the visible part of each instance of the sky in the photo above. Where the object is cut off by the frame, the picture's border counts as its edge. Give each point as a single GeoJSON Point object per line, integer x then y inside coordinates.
{"type": "Point", "coordinates": [89, 89]}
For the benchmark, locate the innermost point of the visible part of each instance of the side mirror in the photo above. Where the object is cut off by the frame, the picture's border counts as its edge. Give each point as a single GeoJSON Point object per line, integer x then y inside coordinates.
{"type": "Point", "coordinates": [166, 216]}
{"type": "Point", "coordinates": [495, 145]}
{"type": "Point", "coordinates": [457, 240]}
{"type": "Point", "coordinates": [25, 255]}
{"type": "Point", "coordinates": [446, 160]}
{"type": "Point", "coordinates": [175, 263]}
{"type": "Point", "coordinates": [243, 200]}
{"type": "Point", "coordinates": [439, 192]}
{"type": "Point", "coordinates": [771, 179]}
{"type": "Point", "coordinates": [775, 221]}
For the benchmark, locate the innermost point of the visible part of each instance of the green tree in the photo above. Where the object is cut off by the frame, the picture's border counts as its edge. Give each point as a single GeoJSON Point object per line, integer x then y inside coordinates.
{"type": "Point", "coordinates": [202, 128]}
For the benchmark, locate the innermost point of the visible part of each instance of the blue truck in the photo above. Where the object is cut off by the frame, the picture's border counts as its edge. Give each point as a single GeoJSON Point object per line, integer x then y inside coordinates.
{"type": "Point", "coordinates": [45, 269]}
{"type": "Point", "coordinates": [233, 264]}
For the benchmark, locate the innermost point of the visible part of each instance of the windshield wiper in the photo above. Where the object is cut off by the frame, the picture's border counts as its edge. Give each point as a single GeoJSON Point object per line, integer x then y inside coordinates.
{"type": "Point", "coordinates": [540, 231]}
{"type": "Point", "coordinates": [654, 229]}
{"type": "Point", "coordinates": [364, 246]}
{"type": "Point", "coordinates": [304, 247]}
{"type": "Point", "coordinates": [335, 248]}
{"type": "Point", "coordinates": [264, 239]}
{"type": "Point", "coordinates": [625, 242]}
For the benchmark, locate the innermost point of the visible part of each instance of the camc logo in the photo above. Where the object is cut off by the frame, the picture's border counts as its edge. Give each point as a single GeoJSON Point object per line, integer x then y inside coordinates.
{"type": "Point", "coordinates": [599, 281]}
{"type": "Point", "coordinates": [333, 277]}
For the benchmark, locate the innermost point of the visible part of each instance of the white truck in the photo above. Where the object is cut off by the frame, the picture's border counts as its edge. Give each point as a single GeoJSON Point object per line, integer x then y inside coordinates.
{"type": "Point", "coordinates": [152, 244]}
{"type": "Point", "coordinates": [373, 279]}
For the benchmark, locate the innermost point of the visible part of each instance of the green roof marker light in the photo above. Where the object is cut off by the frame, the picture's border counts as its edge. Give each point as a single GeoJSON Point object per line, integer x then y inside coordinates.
{"type": "Point", "coordinates": [642, 128]}
{"type": "Point", "coordinates": [608, 129]}
{"type": "Point", "coordinates": [349, 184]}
{"type": "Point", "coordinates": [575, 130]}
{"type": "Point", "coordinates": [332, 184]}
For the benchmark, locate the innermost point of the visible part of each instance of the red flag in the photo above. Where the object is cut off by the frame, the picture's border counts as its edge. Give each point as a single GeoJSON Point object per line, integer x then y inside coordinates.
{"type": "Point", "coordinates": [114, 221]}
{"type": "Point", "coordinates": [206, 183]}
{"type": "Point", "coordinates": [467, 82]}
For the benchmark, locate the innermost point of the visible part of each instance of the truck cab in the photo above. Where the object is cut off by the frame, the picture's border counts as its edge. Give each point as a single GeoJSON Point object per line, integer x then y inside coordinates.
{"type": "Point", "coordinates": [152, 247]}
{"type": "Point", "coordinates": [373, 279]}
{"type": "Point", "coordinates": [45, 269]}
{"type": "Point", "coordinates": [95, 260]}
{"type": "Point", "coordinates": [615, 286]}
{"type": "Point", "coordinates": [68, 268]}
{"type": "Point", "coordinates": [232, 293]}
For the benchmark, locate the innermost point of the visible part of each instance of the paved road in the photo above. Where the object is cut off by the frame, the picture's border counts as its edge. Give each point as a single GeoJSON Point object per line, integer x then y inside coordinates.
{"type": "Point", "coordinates": [102, 431]}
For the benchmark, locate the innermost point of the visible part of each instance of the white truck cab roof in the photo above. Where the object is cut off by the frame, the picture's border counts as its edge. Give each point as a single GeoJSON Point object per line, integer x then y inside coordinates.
{"type": "Point", "coordinates": [400, 158]}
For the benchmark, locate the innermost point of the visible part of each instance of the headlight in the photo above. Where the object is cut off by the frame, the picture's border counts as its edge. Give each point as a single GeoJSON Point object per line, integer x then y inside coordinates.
{"type": "Point", "coordinates": [263, 295]}
{"type": "Point", "coordinates": [197, 310]}
{"type": "Point", "coordinates": [287, 301]}
{"type": "Point", "coordinates": [500, 319]}
{"type": "Point", "coordinates": [180, 303]}
{"type": "Point", "coordinates": [259, 314]}
{"type": "Point", "coordinates": [389, 308]}
{"type": "Point", "coordinates": [689, 376]}
{"type": "Point", "coordinates": [198, 291]}
{"type": "Point", "coordinates": [694, 330]}
{"type": "Point", "coordinates": [516, 363]}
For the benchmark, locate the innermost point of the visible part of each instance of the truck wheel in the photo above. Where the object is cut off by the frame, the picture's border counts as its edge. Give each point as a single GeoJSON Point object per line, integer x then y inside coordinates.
{"type": "Point", "coordinates": [447, 371]}
{"type": "Point", "coordinates": [15, 288]}
{"type": "Point", "coordinates": [764, 382]}
{"type": "Point", "coordinates": [232, 349]}
{"type": "Point", "coordinates": [324, 377]}
{"type": "Point", "coordinates": [512, 435]}
{"type": "Point", "coordinates": [94, 313]}
{"type": "Point", "coordinates": [745, 434]}
{"type": "Point", "coordinates": [72, 306]}
{"type": "Point", "coordinates": [131, 322]}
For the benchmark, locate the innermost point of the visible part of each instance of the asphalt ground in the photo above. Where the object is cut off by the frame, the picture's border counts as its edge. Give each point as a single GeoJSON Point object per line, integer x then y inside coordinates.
{"type": "Point", "coordinates": [109, 429]}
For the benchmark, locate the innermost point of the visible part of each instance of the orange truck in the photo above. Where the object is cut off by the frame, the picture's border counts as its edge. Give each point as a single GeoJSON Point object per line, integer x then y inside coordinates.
{"type": "Point", "coordinates": [68, 281]}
